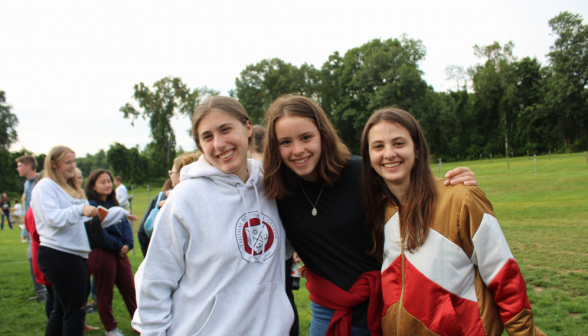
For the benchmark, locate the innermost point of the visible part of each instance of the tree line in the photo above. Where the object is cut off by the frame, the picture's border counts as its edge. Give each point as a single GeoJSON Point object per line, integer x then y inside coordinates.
{"type": "Point", "coordinates": [503, 105]}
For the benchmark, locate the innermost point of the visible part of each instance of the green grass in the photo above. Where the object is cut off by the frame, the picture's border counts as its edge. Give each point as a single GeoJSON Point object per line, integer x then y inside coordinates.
{"type": "Point", "coordinates": [544, 218]}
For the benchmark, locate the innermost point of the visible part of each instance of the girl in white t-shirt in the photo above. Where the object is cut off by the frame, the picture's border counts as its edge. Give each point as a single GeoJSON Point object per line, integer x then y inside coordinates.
{"type": "Point", "coordinates": [17, 214]}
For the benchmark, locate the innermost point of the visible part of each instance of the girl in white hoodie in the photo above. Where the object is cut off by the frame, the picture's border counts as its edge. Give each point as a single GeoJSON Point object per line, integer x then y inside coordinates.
{"type": "Point", "coordinates": [60, 209]}
{"type": "Point", "coordinates": [215, 264]}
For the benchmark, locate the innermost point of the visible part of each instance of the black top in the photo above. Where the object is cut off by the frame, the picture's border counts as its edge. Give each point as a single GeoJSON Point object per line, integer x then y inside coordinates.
{"type": "Point", "coordinates": [334, 243]}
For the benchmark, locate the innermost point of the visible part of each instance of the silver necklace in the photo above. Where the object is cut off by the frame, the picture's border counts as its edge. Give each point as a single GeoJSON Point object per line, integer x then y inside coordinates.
{"type": "Point", "coordinates": [314, 212]}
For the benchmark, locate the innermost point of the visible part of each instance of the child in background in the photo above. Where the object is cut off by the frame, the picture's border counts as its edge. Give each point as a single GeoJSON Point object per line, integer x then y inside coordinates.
{"type": "Point", "coordinates": [17, 214]}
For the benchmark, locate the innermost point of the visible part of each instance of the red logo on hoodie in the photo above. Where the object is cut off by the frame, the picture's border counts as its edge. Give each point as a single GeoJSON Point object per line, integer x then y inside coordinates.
{"type": "Point", "coordinates": [257, 239]}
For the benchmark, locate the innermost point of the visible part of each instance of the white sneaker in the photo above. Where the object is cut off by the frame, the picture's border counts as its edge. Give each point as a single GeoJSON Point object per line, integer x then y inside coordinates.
{"type": "Point", "coordinates": [114, 332]}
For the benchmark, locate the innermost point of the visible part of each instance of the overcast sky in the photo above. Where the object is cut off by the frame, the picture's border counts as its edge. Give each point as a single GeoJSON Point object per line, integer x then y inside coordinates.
{"type": "Point", "coordinates": [68, 66]}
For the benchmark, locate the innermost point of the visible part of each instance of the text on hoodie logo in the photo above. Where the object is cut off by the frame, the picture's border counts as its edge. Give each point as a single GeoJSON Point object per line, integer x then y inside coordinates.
{"type": "Point", "coordinates": [257, 239]}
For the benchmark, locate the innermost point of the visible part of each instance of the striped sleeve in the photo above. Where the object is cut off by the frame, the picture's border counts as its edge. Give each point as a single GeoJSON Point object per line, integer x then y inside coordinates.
{"type": "Point", "coordinates": [496, 264]}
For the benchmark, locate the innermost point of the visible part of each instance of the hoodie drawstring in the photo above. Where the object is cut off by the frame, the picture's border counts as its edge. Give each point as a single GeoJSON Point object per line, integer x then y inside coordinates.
{"type": "Point", "coordinates": [252, 257]}
{"type": "Point", "coordinates": [260, 220]}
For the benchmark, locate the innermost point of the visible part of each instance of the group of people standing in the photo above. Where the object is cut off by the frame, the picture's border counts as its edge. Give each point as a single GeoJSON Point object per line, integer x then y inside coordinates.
{"type": "Point", "coordinates": [379, 235]}
{"type": "Point", "coordinates": [387, 248]}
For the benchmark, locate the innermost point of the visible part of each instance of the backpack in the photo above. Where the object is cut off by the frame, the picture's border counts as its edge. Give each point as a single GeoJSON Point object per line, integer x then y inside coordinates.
{"type": "Point", "coordinates": [148, 226]}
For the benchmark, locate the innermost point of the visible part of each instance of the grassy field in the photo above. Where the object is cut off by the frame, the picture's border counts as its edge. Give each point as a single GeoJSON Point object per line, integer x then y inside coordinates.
{"type": "Point", "coordinates": [544, 218]}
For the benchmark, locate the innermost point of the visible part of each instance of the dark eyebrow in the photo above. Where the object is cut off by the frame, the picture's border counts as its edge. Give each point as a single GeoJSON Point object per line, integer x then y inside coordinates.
{"type": "Point", "coordinates": [397, 138]}
{"type": "Point", "coordinates": [221, 126]}
{"type": "Point", "coordinates": [303, 134]}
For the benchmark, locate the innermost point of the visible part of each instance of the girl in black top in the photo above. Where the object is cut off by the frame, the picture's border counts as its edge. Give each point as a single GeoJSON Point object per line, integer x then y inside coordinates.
{"type": "Point", "coordinates": [317, 185]}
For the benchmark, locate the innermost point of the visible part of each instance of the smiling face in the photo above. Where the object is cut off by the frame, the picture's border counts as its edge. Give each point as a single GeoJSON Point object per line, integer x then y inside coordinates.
{"type": "Point", "coordinates": [103, 185]}
{"type": "Point", "coordinates": [225, 142]}
{"type": "Point", "coordinates": [299, 142]}
{"type": "Point", "coordinates": [67, 165]}
{"type": "Point", "coordinates": [79, 177]}
{"type": "Point", "coordinates": [392, 154]}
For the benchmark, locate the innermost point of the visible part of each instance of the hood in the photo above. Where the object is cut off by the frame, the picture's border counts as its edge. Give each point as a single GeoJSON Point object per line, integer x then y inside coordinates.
{"type": "Point", "coordinates": [202, 168]}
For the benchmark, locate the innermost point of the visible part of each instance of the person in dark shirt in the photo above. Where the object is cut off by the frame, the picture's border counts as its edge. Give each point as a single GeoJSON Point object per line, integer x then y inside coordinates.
{"type": "Point", "coordinates": [109, 264]}
{"type": "Point", "coordinates": [317, 185]}
{"type": "Point", "coordinates": [174, 178]}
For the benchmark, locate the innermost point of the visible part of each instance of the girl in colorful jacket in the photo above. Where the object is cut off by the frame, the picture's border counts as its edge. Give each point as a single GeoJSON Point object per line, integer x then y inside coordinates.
{"type": "Point", "coordinates": [447, 268]}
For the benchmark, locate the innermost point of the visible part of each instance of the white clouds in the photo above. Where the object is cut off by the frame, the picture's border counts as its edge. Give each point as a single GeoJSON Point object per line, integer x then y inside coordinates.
{"type": "Point", "coordinates": [67, 67]}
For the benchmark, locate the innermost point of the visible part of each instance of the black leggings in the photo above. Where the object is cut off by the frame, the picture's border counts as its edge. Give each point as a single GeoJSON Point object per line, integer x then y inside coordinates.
{"type": "Point", "coordinates": [68, 274]}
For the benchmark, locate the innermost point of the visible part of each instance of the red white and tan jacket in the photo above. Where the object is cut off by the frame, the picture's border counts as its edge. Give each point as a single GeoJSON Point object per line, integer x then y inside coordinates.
{"type": "Point", "coordinates": [463, 280]}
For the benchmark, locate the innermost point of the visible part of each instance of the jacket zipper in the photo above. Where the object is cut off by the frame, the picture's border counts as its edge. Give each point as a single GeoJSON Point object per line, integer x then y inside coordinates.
{"type": "Point", "coordinates": [402, 289]}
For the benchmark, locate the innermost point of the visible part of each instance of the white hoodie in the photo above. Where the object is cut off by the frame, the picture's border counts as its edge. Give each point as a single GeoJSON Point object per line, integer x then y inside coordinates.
{"type": "Point", "coordinates": [201, 275]}
{"type": "Point", "coordinates": [59, 220]}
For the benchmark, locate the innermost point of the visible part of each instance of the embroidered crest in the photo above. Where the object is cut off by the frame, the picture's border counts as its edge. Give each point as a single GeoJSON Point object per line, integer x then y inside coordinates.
{"type": "Point", "coordinates": [258, 239]}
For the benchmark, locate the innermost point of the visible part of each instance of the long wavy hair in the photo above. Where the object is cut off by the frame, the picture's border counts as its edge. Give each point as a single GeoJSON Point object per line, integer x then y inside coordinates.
{"type": "Point", "coordinates": [69, 185]}
{"type": "Point", "coordinates": [91, 194]}
{"type": "Point", "coordinates": [419, 209]}
{"type": "Point", "coordinates": [281, 180]}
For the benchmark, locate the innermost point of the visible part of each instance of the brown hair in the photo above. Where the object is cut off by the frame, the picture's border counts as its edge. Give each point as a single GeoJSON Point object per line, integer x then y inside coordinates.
{"type": "Point", "coordinates": [117, 178]}
{"type": "Point", "coordinates": [279, 179]}
{"type": "Point", "coordinates": [91, 194]}
{"type": "Point", "coordinates": [167, 185]}
{"type": "Point", "coordinates": [4, 198]}
{"type": "Point", "coordinates": [186, 158]}
{"type": "Point", "coordinates": [226, 105]}
{"type": "Point", "coordinates": [69, 185]}
{"type": "Point", "coordinates": [259, 133]}
{"type": "Point", "coordinates": [28, 160]}
{"type": "Point", "coordinates": [418, 213]}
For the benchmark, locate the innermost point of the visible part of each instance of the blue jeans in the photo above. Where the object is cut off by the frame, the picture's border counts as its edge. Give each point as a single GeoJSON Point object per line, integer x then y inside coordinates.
{"type": "Point", "coordinates": [321, 318]}
{"type": "Point", "coordinates": [7, 214]}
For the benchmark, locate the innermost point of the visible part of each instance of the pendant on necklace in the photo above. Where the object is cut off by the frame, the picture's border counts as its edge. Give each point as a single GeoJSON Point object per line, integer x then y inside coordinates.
{"type": "Point", "coordinates": [314, 212]}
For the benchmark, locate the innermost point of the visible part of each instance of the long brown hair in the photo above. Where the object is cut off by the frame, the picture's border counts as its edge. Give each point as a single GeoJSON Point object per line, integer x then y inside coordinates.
{"type": "Point", "coordinates": [91, 194]}
{"type": "Point", "coordinates": [279, 179]}
{"type": "Point", "coordinates": [69, 185]}
{"type": "Point", "coordinates": [419, 210]}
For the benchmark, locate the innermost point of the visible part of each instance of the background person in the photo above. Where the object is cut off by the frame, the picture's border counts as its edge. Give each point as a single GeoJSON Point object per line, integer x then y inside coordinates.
{"type": "Point", "coordinates": [5, 207]}
{"type": "Point", "coordinates": [110, 264]}
{"type": "Point", "coordinates": [167, 185]}
{"type": "Point", "coordinates": [79, 177]}
{"type": "Point", "coordinates": [60, 209]}
{"type": "Point", "coordinates": [40, 277]}
{"type": "Point", "coordinates": [17, 214]}
{"type": "Point", "coordinates": [441, 247]}
{"type": "Point", "coordinates": [26, 166]}
{"type": "Point", "coordinates": [174, 178]}
{"type": "Point", "coordinates": [121, 192]}
{"type": "Point", "coordinates": [256, 145]}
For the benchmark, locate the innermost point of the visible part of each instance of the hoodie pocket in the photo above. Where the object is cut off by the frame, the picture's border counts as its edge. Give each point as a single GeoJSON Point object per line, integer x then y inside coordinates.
{"type": "Point", "coordinates": [250, 310]}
